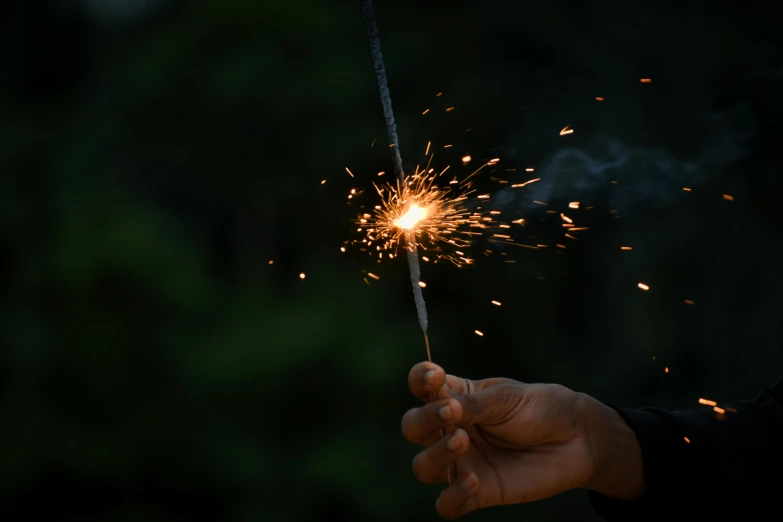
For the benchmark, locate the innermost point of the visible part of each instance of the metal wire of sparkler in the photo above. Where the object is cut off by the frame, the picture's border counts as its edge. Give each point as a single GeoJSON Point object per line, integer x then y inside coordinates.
{"type": "Point", "coordinates": [391, 128]}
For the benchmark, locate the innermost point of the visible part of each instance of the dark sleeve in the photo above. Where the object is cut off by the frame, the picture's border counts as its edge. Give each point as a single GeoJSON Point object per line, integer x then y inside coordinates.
{"type": "Point", "coordinates": [707, 465]}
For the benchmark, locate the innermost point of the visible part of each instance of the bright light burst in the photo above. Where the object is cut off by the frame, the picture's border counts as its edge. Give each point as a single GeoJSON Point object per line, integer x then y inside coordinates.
{"type": "Point", "coordinates": [434, 208]}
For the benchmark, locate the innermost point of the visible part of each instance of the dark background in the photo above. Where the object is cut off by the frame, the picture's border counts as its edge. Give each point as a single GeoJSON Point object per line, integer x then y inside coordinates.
{"type": "Point", "coordinates": [156, 155]}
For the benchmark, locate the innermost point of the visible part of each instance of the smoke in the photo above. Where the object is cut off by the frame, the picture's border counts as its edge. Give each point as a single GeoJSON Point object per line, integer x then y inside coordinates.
{"type": "Point", "coordinates": [649, 176]}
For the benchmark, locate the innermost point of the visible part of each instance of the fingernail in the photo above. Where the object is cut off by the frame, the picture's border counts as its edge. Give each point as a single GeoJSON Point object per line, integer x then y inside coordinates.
{"type": "Point", "coordinates": [429, 377]}
{"type": "Point", "coordinates": [468, 483]}
{"type": "Point", "coordinates": [454, 443]}
{"type": "Point", "coordinates": [445, 412]}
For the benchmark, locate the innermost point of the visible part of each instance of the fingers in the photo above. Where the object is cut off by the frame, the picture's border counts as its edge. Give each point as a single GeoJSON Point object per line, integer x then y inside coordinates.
{"type": "Point", "coordinates": [422, 425]}
{"type": "Point", "coordinates": [425, 378]}
{"type": "Point", "coordinates": [430, 465]}
{"type": "Point", "coordinates": [460, 498]}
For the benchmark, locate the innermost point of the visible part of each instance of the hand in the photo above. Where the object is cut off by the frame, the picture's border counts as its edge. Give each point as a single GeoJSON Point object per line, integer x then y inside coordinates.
{"type": "Point", "coordinates": [508, 442]}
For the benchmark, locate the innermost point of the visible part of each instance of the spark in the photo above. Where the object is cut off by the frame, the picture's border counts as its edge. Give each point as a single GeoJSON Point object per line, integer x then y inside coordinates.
{"type": "Point", "coordinates": [646, 80]}
{"type": "Point", "coordinates": [271, 262]}
{"type": "Point", "coordinates": [322, 182]}
{"type": "Point", "coordinates": [496, 303]}
{"type": "Point", "coordinates": [373, 276]}
{"type": "Point", "coordinates": [686, 189]}
{"type": "Point", "coordinates": [626, 248]}
{"type": "Point", "coordinates": [598, 98]}
{"type": "Point", "coordinates": [687, 301]}
{"type": "Point", "coordinates": [643, 286]}
{"type": "Point", "coordinates": [566, 130]}
{"type": "Point", "coordinates": [349, 172]}
{"type": "Point", "coordinates": [687, 440]}
{"type": "Point", "coordinates": [728, 198]}
{"type": "Point", "coordinates": [422, 284]}
{"type": "Point", "coordinates": [707, 402]}
{"type": "Point", "coordinates": [302, 275]}
{"type": "Point", "coordinates": [436, 215]}
{"type": "Point", "coordinates": [479, 333]}
{"type": "Point", "coordinates": [466, 159]}
{"type": "Point", "coordinates": [573, 204]}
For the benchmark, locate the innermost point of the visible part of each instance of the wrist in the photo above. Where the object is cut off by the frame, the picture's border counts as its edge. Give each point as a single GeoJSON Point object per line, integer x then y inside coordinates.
{"type": "Point", "coordinates": [615, 453]}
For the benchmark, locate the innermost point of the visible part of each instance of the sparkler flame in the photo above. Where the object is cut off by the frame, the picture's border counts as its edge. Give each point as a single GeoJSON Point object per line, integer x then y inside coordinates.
{"type": "Point", "coordinates": [435, 218]}
{"type": "Point", "coordinates": [409, 220]}
{"type": "Point", "coordinates": [438, 213]}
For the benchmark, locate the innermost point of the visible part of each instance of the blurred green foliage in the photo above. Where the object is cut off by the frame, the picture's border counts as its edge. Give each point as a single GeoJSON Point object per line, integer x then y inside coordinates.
{"type": "Point", "coordinates": [157, 367]}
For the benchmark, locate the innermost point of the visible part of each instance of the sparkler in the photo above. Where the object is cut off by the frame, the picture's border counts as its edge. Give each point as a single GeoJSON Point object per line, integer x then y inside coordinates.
{"type": "Point", "coordinates": [408, 219]}
{"type": "Point", "coordinates": [418, 209]}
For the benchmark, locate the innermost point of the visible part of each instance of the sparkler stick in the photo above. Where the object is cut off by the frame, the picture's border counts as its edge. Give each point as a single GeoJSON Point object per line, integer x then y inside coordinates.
{"type": "Point", "coordinates": [391, 128]}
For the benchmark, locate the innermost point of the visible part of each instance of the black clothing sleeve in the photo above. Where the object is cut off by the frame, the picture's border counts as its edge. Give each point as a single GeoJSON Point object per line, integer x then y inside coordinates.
{"type": "Point", "coordinates": [705, 465]}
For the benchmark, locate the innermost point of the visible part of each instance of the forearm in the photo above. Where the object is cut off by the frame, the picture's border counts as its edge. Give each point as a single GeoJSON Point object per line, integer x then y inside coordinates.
{"type": "Point", "coordinates": [688, 457]}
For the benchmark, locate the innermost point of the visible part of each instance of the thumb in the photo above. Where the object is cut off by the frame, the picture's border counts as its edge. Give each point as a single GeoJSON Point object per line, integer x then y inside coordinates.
{"type": "Point", "coordinates": [491, 405]}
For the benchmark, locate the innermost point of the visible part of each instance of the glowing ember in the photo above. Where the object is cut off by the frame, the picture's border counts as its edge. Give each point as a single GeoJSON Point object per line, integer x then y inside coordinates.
{"type": "Point", "coordinates": [411, 218]}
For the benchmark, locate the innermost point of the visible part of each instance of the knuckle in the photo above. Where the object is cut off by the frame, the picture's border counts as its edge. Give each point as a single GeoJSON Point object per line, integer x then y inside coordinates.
{"type": "Point", "coordinates": [408, 425]}
{"type": "Point", "coordinates": [418, 467]}
{"type": "Point", "coordinates": [446, 510]}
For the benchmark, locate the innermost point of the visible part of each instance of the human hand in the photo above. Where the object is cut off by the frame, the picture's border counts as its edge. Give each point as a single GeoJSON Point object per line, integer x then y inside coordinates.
{"type": "Point", "coordinates": [508, 442]}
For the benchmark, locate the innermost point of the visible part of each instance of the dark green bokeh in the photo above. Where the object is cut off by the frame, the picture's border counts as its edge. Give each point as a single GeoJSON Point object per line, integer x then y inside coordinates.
{"type": "Point", "coordinates": [155, 367]}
